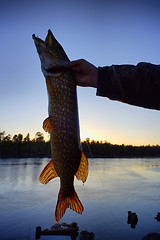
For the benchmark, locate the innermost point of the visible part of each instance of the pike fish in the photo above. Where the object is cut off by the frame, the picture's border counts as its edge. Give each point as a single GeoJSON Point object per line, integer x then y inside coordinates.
{"type": "Point", "coordinates": [68, 160]}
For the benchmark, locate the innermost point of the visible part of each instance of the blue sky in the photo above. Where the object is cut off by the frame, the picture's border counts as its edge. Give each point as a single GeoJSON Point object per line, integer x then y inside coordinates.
{"type": "Point", "coordinates": [102, 32]}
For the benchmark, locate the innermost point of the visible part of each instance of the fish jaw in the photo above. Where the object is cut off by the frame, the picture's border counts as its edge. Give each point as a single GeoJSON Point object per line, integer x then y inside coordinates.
{"type": "Point", "coordinates": [52, 56]}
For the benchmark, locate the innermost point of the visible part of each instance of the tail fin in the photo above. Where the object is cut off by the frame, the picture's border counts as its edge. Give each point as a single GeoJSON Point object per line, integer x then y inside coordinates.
{"type": "Point", "coordinates": [63, 203]}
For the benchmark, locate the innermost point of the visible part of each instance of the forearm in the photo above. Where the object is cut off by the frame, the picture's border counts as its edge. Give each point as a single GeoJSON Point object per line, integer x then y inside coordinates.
{"type": "Point", "coordinates": [137, 85]}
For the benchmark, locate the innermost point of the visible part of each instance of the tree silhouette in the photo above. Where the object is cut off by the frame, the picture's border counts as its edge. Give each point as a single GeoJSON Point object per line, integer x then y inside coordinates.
{"type": "Point", "coordinates": [19, 137]}
{"type": "Point", "coordinates": [7, 138]}
{"type": "Point", "coordinates": [2, 135]}
{"type": "Point", "coordinates": [27, 138]}
{"type": "Point", "coordinates": [39, 137]}
{"type": "Point", "coordinates": [15, 138]}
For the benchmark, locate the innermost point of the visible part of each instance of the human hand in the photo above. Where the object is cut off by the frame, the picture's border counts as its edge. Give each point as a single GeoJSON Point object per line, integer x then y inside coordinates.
{"type": "Point", "coordinates": [86, 74]}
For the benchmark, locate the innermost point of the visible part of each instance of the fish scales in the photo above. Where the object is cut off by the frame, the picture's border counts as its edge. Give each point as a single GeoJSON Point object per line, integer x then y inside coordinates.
{"type": "Point", "coordinates": [68, 160]}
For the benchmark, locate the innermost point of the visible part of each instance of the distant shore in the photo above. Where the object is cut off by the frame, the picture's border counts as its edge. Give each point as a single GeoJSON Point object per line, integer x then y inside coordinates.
{"type": "Point", "coordinates": [92, 149]}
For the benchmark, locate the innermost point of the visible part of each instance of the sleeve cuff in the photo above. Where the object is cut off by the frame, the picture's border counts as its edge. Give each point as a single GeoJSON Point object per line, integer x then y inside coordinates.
{"type": "Point", "coordinates": [105, 84]}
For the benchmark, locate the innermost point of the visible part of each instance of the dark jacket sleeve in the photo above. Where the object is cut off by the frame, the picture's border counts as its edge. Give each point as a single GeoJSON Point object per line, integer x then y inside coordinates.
{"type": "Point", "coordinates": [137, 85]}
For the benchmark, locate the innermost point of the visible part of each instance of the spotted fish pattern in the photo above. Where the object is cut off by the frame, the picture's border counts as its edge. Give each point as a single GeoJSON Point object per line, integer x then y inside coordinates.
{"type": "Point", "coordinates": [68, 160]}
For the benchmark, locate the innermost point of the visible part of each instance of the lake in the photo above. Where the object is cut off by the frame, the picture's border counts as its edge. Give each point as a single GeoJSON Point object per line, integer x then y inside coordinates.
{"type": "Point", "coordinates": [114, 187]}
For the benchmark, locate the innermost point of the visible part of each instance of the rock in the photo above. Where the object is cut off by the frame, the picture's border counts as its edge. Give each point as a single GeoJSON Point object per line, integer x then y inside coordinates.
{"type": "Point", "coordinates": [152, 236]}
{"type": "Point", "coordinates": [85, 235]}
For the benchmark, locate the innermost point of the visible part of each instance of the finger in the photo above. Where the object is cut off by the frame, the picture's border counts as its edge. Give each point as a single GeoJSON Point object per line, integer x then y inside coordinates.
{"type": "Point", "coordinates": [76, 69]}
{"type": "Point", "coordinates": [76, 63]}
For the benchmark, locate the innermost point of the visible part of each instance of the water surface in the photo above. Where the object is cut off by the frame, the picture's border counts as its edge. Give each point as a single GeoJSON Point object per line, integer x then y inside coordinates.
{"type": "Point", "coordinates": [113, 187]}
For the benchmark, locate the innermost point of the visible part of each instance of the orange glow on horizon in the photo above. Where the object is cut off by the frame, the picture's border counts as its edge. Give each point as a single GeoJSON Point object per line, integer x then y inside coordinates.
{"type": "Point", "coordinates": [118, 139]}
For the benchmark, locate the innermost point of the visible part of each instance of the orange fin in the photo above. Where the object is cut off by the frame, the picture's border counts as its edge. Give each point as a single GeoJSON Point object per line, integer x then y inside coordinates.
{"type": "Point", "coordinates": [82, 172]}
{"type": "Point", "coordinates": [63, 203]}
{"type": "Point", "coordinates": [47, 125]}
{"type": "Point", "coordinates": [48, 173]}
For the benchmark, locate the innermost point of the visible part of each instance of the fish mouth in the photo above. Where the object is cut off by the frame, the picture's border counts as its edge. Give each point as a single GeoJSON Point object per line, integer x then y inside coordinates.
{"type": "Point", "coordinates": [37, 40]}
{"type": "Point", "coordinates": [51, 64]}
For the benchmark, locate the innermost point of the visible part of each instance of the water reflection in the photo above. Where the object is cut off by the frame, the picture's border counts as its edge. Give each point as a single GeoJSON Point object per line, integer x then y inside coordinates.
{"type": "Point", "coordinates": [113, 187]}
{"type": "Point", "coordinates": [21, 170]}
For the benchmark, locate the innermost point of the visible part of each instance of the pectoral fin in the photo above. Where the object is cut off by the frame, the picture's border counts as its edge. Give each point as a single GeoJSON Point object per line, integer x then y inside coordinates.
{"type": "Point", "coordinates": [47, 125]}
{"type": "Point", "coordinates": [48, 173]}
{"type": "Point", "coordinates": [82, 172]}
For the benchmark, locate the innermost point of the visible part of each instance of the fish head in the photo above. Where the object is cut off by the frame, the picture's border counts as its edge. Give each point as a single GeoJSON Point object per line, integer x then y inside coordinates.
{"type": "Point", "coordinates": [52, 56]}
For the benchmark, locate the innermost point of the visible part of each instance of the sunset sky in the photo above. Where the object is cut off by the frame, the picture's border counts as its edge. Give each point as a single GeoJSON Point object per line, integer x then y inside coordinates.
{"type": "Point", "coordinates": [103, 33]}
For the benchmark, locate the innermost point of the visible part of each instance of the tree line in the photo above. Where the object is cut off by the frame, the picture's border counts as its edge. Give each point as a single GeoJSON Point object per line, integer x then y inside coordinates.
{"type": "Point", "coordinates": [19, 147]}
